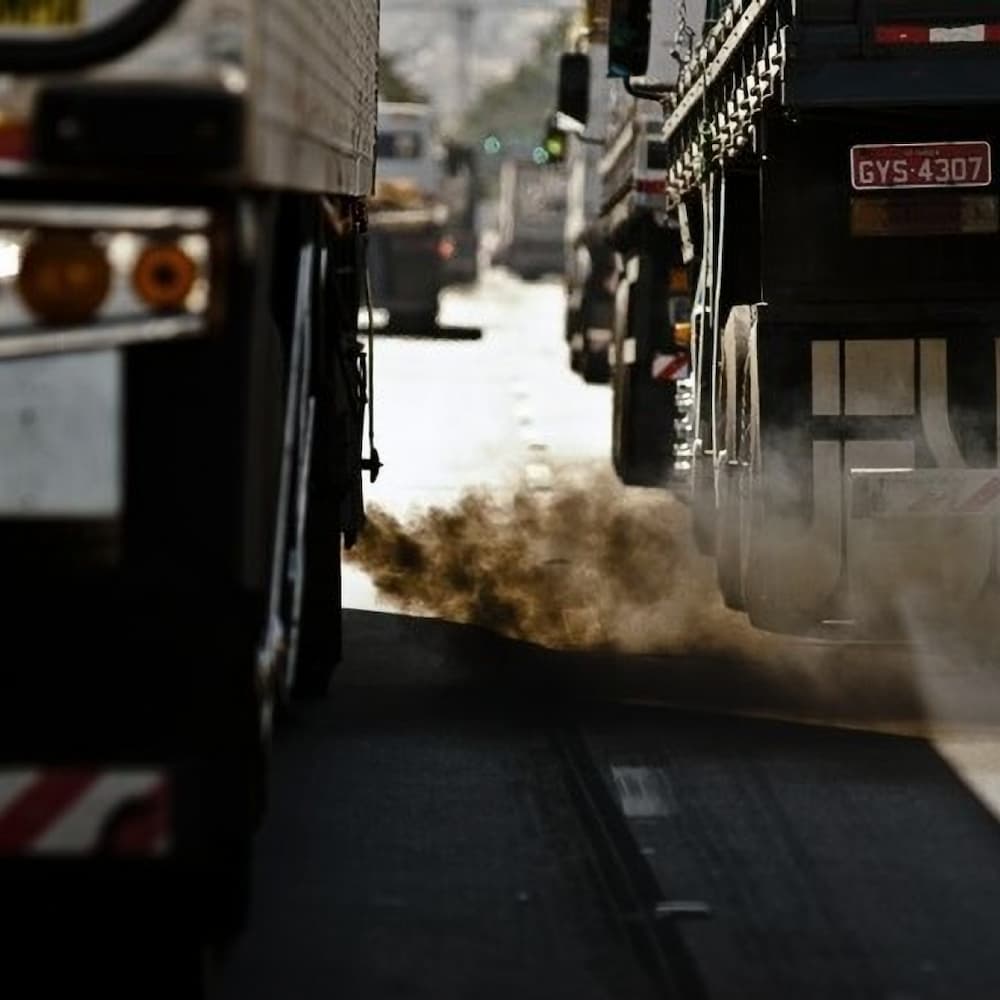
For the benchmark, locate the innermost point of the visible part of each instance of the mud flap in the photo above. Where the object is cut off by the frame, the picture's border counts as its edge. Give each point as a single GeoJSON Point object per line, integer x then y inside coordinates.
{"type": "Point", "coordinates": [921, 542]}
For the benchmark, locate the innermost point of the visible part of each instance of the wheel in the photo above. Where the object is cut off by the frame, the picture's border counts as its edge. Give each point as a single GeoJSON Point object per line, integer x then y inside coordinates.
{"type": "Point", "coordinates": [643, 407]}
{"type": "Point", "coordinates": [324, 480]}
{"type": "Point", "coordinates": [704, 525]}
{"type": "Point", "coordinates": [571, 322]}
{"type": "Point", "coordinates": [597, 313]}
{"type": "Point", "coordinates": [595, 366]}
{"type": "Point", "coordinates": [771, 587]}
{"type": "Point", "coordinates": [321, 619]}
{"type": "Point", "coordinates": [416, 323]}
{"type": "Point", "coordinates": [732, 418]}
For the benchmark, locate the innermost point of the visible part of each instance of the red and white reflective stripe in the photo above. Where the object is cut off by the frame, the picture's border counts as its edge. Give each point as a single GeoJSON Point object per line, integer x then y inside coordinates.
{"type": "Point", "coordinates": [983, 499]}
{"type": "Point", "coordinates": [926, 34]}
{"type": "Point", "coordinates": [72, 811]}
{"type": "Point", "coordinates": [671, 367]}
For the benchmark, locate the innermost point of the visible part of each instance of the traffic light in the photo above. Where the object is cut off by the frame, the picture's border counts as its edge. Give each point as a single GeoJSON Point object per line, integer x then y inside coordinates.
{"type": "Point", "coordinates": [554, 144]}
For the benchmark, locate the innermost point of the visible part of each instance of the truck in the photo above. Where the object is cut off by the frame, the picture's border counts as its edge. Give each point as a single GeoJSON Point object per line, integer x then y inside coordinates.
{"type": "Point", "coordinates": [531, 217]}
{"type": "Point", "coordinates": [623, 334]}
{"type": "Point", "coordinates": [461, 193]}
{"type": "Point", "coordinates": [590, 270]}
{"type": "Point", "coordinates": [183, 191]}
{"type": "Point", "coordinates": [829, 167]}
{"type": "Point", "coordinates": [410, 244]}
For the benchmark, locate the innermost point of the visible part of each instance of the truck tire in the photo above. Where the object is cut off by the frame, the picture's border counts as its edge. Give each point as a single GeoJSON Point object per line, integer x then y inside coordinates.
{"type": "Point", "coordinates": [576, 352]}
{"type": "Point", "coordinates": [321, 632]}
{"type": "Point", "coordinates": [703, 512]}
{"type": "Point", "coordinates": [573, 335]}
{"type": "Point", "coordinates": [728, 554]}
{"type": "Point", "coordinates": [643, 407]}
{"type": "Point", "coordinates": [332, 471]}
{"type": "Point", "coordinates": [596, 313]}
{"type": "Point", "coordinates": [423, 322]}
{"type": "Point", "coordinates": [769, 592]}
{"type": "Point", "coordinates": [595, 366]}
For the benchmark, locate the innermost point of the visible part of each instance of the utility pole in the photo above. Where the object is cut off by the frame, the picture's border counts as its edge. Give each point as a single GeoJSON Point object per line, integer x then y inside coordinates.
{"type": "Point", "coordinates": [465, 15]}
{"type": "Point", "coordinates": [465, 30]}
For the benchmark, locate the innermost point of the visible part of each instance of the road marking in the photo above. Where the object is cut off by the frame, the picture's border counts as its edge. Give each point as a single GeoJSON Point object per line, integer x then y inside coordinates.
{"type": "Point", "coordinates": [976, 760]}
{"type": "Point", "coordinates": [672, 908]}
{"type": "Point", "coordinates": [528, 434]}
{"type": "Point", "coordinates": [538, 476]}
{"type": "Point", "coordinates": [644, 792]}
{"type": "Point", "coordinates": [524, 413]}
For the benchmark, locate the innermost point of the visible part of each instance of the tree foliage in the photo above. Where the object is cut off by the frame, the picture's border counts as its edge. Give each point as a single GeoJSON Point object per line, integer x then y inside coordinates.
{"type": "Point", "coordinates": [515, 110]}
{"type": "Point", "coordinates": [392, 85]}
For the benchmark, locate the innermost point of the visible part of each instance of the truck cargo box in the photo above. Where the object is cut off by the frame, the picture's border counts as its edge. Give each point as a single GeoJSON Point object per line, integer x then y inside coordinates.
{"type": "Point", "coordinates": [277, 93]}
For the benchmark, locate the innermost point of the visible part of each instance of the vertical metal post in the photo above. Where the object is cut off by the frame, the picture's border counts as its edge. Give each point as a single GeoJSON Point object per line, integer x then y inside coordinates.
{"type": "Point", "coordinates": [465, 25]}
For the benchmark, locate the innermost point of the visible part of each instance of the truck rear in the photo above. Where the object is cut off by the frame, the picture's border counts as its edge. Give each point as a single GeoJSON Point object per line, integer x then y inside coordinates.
{"type": "Point", "coordinates": [532, 218]}
{"type": "Point", "coordinates": [182, 209]}
{"type": "Point", "coordinates": [590, 268]}
{"type": "Point", "coordinates": [409, 217]}
{"type": "Point", "coordinates": [641, 293]}
{"type": "Point", "coordinates": [831, 166]}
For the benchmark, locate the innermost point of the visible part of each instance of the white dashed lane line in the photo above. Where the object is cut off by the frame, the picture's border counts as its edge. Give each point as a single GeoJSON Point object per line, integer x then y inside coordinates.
{"type": "Point", "coordinates": [538, 476]}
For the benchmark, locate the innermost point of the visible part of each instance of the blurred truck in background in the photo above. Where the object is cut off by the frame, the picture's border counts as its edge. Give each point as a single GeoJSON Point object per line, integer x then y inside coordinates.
{"type": "Point", "coordinates": [410, 245]}
{"type": "Point", "coordinates": [625, 325]}
{"type": "Point", "coordinates": [182, 396]}
{"type": "Point", "coordinates": [590, 266]}
{"type": "Point", "coordinates": [531, 218]}
{"type": "Point", "coordinates": [461, 195]}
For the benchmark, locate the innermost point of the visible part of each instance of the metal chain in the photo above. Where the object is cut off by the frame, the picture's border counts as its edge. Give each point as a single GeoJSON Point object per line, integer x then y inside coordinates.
{"type": "Point", "coordinates": [685, 36]}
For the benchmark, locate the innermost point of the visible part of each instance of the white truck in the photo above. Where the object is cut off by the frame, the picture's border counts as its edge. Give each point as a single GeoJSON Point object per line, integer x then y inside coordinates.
{"type": "Point", "coordinates": [182, 398]}
{"type": "Point", "coordinates": [532, 218]}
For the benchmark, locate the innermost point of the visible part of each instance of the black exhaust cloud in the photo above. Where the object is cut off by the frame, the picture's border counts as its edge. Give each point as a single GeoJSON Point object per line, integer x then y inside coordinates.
{"type": "Point", "coordinates": [588, 566]}
{"type": "Point", "coordinates": [594, 568]}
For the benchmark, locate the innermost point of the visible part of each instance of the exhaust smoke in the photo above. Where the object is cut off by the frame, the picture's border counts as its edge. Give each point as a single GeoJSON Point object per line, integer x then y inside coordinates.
{"type": "Point", "coordinates": [594, 568]}
{"type": "Point", "coordinates": [588, 566]}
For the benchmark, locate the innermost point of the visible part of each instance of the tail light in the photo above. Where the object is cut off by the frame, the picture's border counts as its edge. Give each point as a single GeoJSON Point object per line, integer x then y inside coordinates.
{"type": "Point", "coordinates": [678, 281]}
{"type": "Point", "coordinates": [64, 277]}
{"type": "Point", "coordinates": [83, 277]}
{"type": "Point", "coordinates": [446, 248]}
{"type": "Point", "coordinates": [164, 276]}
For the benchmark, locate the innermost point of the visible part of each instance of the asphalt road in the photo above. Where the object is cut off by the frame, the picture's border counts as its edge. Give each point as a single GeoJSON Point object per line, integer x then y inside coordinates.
{"type": "Point", "coordinates": [630, 794]}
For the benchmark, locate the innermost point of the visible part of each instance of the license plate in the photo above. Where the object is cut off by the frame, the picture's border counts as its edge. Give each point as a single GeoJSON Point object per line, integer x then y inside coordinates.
{"type": "Point", "coordinates": [61, 436]}
{"type": "Point", "coordinates": [41, 13]}
{"type": "Point", "coordinates": [922, 165]}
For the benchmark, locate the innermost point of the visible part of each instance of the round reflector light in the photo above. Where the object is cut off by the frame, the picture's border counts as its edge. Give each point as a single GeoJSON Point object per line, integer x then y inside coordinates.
{"type": "Point", "coordinates": [64, 277]}
{"type": "Point", "coordinates": [164, 276]}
